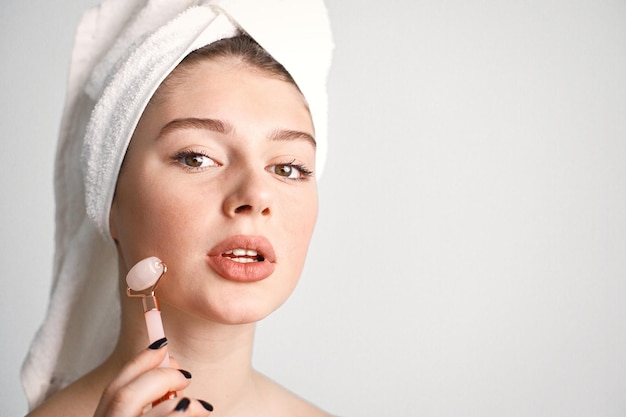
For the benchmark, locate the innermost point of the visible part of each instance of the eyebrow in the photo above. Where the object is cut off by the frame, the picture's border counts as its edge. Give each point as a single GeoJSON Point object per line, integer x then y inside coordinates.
{"type": "Point", "coordinates": [223, 127]}
{"type": "Point", "coordinates": [214, 125]}
{"type": "Point", "coordinates": [287, 134]}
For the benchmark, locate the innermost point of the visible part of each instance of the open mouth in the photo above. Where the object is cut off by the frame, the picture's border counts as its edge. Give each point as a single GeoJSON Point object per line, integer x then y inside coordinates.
{"type": "Point", "coordinates": [243, 255]}
{"type": "Point", "coordinates": [243, 258]}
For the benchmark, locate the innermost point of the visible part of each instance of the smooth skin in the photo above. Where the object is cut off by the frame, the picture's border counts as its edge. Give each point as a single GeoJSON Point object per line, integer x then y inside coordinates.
{"type": "Point", "coordinates": [187, 185]}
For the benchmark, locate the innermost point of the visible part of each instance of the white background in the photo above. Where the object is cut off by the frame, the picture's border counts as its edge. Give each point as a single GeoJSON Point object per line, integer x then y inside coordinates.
{"type": "Point", "coordinates": [470, 256]}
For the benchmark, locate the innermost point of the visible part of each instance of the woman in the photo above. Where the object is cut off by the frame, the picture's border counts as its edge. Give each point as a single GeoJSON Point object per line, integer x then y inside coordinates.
{"type": "Point", "coordinates": [218, 180]}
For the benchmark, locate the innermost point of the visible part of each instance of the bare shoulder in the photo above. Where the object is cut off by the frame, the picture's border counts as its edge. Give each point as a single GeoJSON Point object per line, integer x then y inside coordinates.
{"type": "Point", "coordinates": [77, 400]}
{"type": "Point", "coordinates": [282, 402]}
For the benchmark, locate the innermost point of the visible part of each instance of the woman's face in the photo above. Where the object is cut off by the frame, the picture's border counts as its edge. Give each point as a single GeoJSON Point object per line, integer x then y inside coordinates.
{"type": "Point", "coordinates": [216, 183]}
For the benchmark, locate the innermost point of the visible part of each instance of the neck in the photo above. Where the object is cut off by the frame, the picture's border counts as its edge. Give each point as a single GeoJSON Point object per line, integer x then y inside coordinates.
{"type": "Point", "coordinates": [219, 356]}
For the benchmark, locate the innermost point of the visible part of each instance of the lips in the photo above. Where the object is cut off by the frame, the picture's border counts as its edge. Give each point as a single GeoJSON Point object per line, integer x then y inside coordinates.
{"type": "Point", "coordinates": [243, 258]}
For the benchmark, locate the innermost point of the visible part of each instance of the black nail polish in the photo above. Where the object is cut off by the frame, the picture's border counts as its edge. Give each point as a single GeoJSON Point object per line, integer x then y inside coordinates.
{"type": "Point", "coordinates": [182, 404]}
{"type": "Point", "coordinates": [206, 405]}
{"type": "Point", "coordinates": [158, 344]}
{"type": "Point", "coordinates": [186, 374]}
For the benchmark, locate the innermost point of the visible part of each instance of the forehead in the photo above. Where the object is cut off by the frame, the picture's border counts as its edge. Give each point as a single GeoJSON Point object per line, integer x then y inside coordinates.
{"type": "Point", "coordinates": [232, 90]}
{"type": "Point", "coordinates": [214, 65]}
{"type": "Point", "coordinates": [219, 74]}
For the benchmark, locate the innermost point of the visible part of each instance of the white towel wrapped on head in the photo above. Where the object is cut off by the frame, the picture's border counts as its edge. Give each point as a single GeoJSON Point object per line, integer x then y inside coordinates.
{"type": "Point", "coordinates": [123, 50]}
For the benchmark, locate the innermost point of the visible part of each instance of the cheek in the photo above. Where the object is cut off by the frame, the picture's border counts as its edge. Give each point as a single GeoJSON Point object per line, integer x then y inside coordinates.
{"type": "Point", "coordinates": [149, 220]}
{"type": "Point", "coordinates": [299, 224]}
{"type": "Point", "coordinates": [303, 216]}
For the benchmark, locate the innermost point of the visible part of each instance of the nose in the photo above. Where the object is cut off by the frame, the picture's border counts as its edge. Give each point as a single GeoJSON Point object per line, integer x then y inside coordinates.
{"type": "Point", "coordinates": [250, 195]}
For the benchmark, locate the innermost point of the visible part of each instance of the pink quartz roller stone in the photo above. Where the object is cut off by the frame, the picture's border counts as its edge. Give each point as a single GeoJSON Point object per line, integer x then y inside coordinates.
{"type": "Point", "coordinates": [144, 274]}
{"type": "Point", "coordinates": [142, 277]}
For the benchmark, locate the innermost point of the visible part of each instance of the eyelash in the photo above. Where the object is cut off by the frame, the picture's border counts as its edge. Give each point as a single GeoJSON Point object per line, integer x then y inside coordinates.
{"type": "Point", "coordinates": [304, 171]}
{"type": "Point", "coordinates": [180, 156]}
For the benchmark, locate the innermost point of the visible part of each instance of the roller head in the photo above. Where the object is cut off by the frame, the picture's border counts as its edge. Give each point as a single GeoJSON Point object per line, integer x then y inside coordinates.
{"type": "Point", "coordinates": [144, 274]}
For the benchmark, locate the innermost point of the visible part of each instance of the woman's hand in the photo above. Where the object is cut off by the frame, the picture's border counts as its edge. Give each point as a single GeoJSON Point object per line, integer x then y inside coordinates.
{"type": "Point", "coordinates": [141, 382]}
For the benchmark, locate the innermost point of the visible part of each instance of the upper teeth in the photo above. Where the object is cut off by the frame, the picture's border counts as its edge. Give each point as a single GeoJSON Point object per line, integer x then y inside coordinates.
{"type": "Point", "coordinates": [242, 252]}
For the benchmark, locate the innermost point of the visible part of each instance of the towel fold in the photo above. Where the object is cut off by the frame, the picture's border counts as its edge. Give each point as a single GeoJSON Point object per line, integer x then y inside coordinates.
{"type": "Point", "coordinates": [123, 49]}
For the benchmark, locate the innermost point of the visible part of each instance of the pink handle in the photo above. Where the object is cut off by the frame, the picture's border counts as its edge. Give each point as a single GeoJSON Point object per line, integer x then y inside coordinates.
{"type": "Point", "coordinates": [155, 331]}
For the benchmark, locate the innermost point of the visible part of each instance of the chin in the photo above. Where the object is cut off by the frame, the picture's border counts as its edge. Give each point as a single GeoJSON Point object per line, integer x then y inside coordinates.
{"type": "Point", "coordinates": [216, 300]}
{"type": "Point", "coordinates": [242, 312]}
{"type": "Point", "coordinates": [238, 319]}
{"type": "Point", "coordinates": [224, 309]}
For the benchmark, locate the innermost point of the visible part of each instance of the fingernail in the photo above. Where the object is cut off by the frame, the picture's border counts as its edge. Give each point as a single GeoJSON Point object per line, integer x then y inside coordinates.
{"type": "Point", "coordinates": [186, 374]}
{"type": "Point", "coordinates": [206, 405]}
{"type": "Point", "coordinates": [158, 344]}
{"type": "Point", "coordinates": [182, 404]}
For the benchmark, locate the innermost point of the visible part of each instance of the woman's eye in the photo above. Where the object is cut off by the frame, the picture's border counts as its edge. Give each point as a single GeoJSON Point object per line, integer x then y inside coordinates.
{"type": "Point", "coordinates": [195, 160]}
{"type": "Point", "coordinates": [291, 171]}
